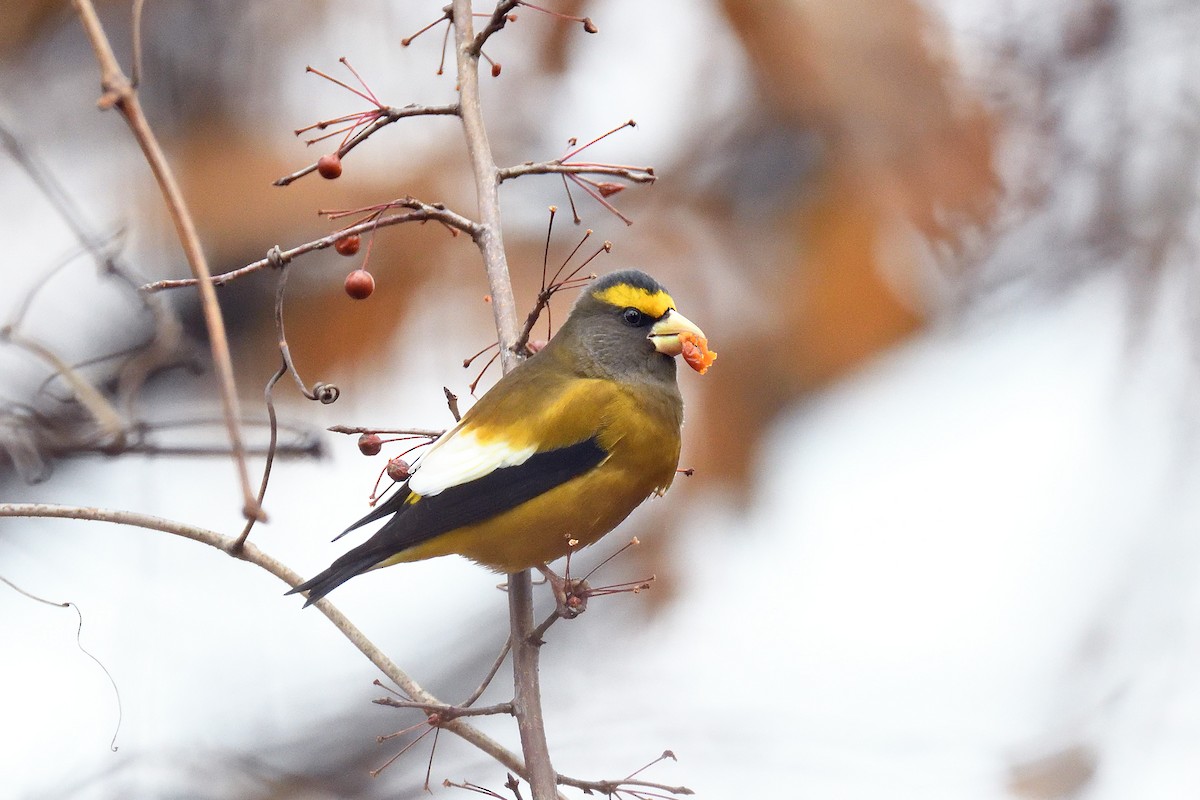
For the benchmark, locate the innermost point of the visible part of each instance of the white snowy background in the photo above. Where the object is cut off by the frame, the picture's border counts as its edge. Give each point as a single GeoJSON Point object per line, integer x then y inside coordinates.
{"type": "Point", "coordinates": [971, 565]}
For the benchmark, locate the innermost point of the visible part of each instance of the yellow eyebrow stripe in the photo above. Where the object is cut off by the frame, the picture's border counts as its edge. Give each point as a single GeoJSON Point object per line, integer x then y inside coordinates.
{"type": "Point", "coordinates": [653, 304]}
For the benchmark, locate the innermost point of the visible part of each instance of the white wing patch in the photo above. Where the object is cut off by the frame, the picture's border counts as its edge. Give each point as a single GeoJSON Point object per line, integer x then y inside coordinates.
{"type": "Point", "coordinates": [459, 457]}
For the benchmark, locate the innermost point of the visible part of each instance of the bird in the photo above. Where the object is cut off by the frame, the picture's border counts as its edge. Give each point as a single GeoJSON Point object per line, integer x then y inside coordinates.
{"type": "Point", "coordinates": [556, 454]}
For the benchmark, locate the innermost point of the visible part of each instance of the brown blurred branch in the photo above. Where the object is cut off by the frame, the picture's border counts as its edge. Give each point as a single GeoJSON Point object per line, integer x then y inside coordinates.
{"type": "Point", "coordinates": [119, 93]}
{"type": "Point", "coordinates": [102, 412]}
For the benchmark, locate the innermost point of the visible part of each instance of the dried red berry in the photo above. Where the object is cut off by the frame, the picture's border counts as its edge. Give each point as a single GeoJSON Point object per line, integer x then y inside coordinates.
{"type": "Point", "coordinates": [496, 70]}
{"type": "Point", "coordinates": [360, 284]}
{"type": "Point", "coordinates": [369, 444]}
{"type": "Point", "coordinates": [590, 26]}
{"type": "Point", "coordinates": [348, 245]}
{"type": "Point", "coordinates": [397, 470]}
{"type": "Point", "coordinates": [329, 166]}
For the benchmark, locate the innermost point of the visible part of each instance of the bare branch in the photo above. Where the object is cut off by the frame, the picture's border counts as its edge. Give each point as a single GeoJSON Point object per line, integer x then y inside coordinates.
{"type": "Point", "coordinates": [386, 116]}
{"type": "Point", "coordinates": [491, 673]}
{"type": "Point", "coordinates": [612, 787]}
{"type": "Point", "coordinates": [489, 237]}
{"type": "Point", "coordinates": [446, 713]}
{"type": "Point", "coordinates": [120, 94]}
{"type": "Point", "coordinates": [527, 700]}
{"type": "Point", "coordinates": [251, 554]}
{"type": "Point", "coordinates": [348, 429]}
{"type": "Point", "coordinates": [495, 23]}
{"type": "Point", "coordinates": [136, 80]}
{"type": "Point", "coordinates": [628, 172]}
{"type": "Point", "coordinates": [423, 212]}
{"type": "Point", "coordinates": [107, 418]}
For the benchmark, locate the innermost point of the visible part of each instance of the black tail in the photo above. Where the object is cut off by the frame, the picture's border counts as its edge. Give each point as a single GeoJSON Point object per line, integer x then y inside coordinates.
{"type": "Point", "coordinates": [356, 561]}
{"type": "Point", "coordinates": [340, 571]}
{"type": "Point", "coordinates": [384, 509]}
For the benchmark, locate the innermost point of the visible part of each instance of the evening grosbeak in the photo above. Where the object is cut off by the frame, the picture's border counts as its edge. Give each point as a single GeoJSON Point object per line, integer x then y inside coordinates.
{"type": "Point", "coordinates": [560, 450]}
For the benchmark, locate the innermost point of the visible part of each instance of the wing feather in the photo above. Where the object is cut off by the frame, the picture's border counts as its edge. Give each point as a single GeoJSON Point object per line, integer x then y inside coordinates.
{"type": "Point", "coordinates": [462, 457]}
{"type": "Point", "coordinates": [423, 518]}
{"type": "Point", "coordinates": [535, 430]}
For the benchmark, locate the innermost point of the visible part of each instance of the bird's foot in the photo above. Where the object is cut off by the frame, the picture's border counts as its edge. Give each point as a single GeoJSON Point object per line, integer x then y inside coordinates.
{"type": "Point", "coordinates": [570, 594]}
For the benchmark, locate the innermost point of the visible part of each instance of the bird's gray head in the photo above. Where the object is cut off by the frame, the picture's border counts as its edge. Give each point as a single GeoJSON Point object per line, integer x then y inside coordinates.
{"type": "Point", "coordinates": [625, 326]}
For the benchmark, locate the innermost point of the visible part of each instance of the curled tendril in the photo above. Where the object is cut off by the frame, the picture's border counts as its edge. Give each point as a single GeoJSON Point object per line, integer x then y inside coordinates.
{"type": "Point", "coordinates": [326, 392]}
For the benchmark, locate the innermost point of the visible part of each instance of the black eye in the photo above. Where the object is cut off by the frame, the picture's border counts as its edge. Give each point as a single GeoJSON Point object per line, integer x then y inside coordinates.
{"type": "Point", "coordinates": [632, 317]}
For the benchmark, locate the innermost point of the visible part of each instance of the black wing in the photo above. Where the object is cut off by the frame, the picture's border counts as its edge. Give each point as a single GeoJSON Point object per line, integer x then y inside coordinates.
{"type": "Point", "coordinates": [455, 507]}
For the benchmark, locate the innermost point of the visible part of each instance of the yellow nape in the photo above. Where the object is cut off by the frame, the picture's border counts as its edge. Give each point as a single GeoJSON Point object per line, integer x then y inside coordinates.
{"type": "Point", "coordinates": [652, 304]}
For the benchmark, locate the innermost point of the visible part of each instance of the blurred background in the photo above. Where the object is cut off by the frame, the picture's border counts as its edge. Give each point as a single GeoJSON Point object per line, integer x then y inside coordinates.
{"type": "Point", "coordinates": [940, 542]}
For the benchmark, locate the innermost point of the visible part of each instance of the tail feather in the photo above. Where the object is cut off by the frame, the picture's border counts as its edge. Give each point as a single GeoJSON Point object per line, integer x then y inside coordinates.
{"type": "Point", "coordinates": [355, 562]}
{"type": "Point", "coordinates": [358, 560]}
{"type": "Point", "coordinates": [387, 507]}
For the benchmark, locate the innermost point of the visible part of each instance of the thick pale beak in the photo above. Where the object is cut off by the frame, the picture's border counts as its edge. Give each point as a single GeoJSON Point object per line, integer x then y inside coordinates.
{"type": "Point", "coordinates": [665, 333]}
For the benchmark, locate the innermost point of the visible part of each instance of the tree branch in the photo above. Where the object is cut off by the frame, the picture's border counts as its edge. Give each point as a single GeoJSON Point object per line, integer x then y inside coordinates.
{"type": "Point", "coordinates": [495, 23]}
{"type": "Point", "coordinates": [432, 433]}
{"type": "Point", "coordinates": [119, 93]}
{"type": "Point", "coordinates": [423, 212]}
{"type": "Point", "coordinates": [387, 115]}
{"type": "Point", "coordinates": [527, 700]}
{"type": "Point", "coordinates": [556, 167]}
{"type": "Point", "coordinates": [611, 788]}
{"type": "Point", "coordinates": [249, 553]}
{"type": "Point", "coordinates": [489, 235]}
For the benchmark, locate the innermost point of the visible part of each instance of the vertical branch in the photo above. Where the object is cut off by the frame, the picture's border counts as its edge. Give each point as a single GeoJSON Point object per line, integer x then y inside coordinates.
{"type": "Point", "coordinates": [489, 237]}
{"type": "Point", "coordinates": [527, 701]}
{"type": "Point", "coordinates": [527, 695]}
{"type": "Point", "coordinates": [119, 93]}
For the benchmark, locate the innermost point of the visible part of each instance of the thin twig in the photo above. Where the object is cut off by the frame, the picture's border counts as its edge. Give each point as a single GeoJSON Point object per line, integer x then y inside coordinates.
{"type": "Point", "coordinates": [268, 397]}
{"type": "Point", "coordinates": [491, 673]}
{"type": "Point", "coordinates": [612, 787]}
{"type": "Point", "coordinates": [120, 94]}
{"type": "Point", "coordinates": [556, 167]}
{"type": "Point", "coordinates": [445, 712]}
{"type": "Point", "coordinates": [452, 403]}
{"type": "Point", "coordinates": [168, 331]}
{"type": "Point", "coordinates": [112, 745]}
{"type": "Point", "coordinates": [537, 633]}
{"type": "Point", "coordinates": [106, 417]}
{"type": "Point", "coordinates": [272, 445]}
{"type": "Point", "coordinates": [253, 555]}
{"type": "Point", "coordinates": [136, 79]}
{"type": "Point", "coordinates": [495, 23]}
{"type": "Point", "coordinates": [387, 115]}
{"type": "Point", "coordinates": [424, 213]}
{"type": "Point", "coordinates": [75, 449]}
